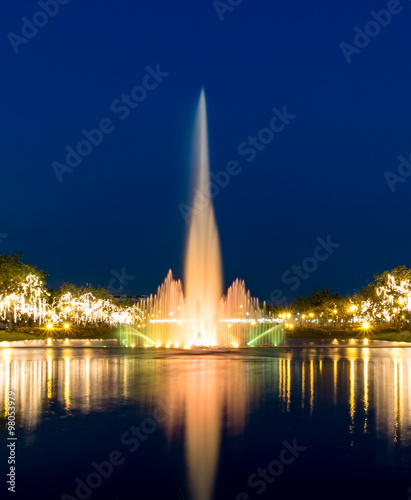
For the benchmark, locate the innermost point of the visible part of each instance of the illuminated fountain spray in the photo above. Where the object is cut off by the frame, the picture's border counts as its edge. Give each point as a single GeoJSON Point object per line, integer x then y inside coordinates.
{"type": "Point", "coordinates": [203, 269]}
{"type": "Point", "coordinates": [165, 315]}
{"type": "Point", "coordinates": [201, 316]}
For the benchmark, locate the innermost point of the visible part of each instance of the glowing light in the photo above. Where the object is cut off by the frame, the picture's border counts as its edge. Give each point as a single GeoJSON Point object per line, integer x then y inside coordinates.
{"type": "Point", "coordinates": [366, 325]}
{"type": "Point", "coordinates": [390, 295]}
{"type": "Point", "coordinates": [201, 309]}
{"type": "Point", "coordinates": [270, 330]}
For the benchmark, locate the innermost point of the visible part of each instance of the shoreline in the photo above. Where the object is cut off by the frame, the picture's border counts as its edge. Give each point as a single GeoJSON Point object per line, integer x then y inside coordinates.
{"type": "Point", "coordinates": [287, 344]}
{"type": "Point", "coordinates": [311, 334]}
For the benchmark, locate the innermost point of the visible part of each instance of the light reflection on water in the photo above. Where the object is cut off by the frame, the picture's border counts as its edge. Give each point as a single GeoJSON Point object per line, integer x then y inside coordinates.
{"type": "Point", "coordinates": [215, 394]}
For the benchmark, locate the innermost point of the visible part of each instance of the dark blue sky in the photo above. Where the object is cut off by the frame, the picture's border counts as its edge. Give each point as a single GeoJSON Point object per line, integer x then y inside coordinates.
{"type": "Point", "coordinates": [322, 175]}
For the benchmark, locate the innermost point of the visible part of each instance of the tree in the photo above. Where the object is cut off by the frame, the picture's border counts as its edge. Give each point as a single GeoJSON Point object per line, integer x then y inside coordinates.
{"type": "Point", "coordinates": [389, 295]}
{"type": "Point", "coordinates": [21, 285]}
{"type": "Point", "coordinates": [315, 300]}
{"type": "Point", "coordinates": [77, 291]}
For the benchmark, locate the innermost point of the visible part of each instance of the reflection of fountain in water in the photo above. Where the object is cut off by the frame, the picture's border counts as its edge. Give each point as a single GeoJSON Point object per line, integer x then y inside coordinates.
{"type": "Point", "coordinates": [203, 406]}
{"type": "Point", "coordinates": [212, 393]}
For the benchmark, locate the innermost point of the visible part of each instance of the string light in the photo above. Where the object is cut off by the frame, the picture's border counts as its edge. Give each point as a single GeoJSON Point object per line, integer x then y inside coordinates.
{"type": "Point", "coordinates": [393, 299]}
{"type": "Point", "coordinates": [33, 302]}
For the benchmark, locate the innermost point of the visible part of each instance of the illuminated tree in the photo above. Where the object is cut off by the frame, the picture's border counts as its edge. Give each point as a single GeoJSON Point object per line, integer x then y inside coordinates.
{"type": "Point", "coordinates": [22, 291]}
{"type": "Point", "coordinates": [389, 296]}
{"type": "Point", "coordinates": [24, 297]}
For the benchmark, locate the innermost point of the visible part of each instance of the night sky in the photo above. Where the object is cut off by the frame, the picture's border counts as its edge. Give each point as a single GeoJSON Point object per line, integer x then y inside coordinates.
{"type": "Point", "coordinates": [321, 176]}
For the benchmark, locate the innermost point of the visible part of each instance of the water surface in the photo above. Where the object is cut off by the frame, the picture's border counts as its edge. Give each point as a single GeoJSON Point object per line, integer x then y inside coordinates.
{"type": "Point", "coordinates": [209, 424]}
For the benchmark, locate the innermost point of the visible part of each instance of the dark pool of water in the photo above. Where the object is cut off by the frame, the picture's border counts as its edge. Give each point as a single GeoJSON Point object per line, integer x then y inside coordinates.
{"type": "Point", "coordinates": [324, 422]}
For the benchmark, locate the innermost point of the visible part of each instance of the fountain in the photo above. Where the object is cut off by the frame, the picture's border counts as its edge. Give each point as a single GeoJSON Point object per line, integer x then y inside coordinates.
{"type": "Point", "coordinates": [200, 315]}
{"type": "Point", "coordinates": [203, 268]}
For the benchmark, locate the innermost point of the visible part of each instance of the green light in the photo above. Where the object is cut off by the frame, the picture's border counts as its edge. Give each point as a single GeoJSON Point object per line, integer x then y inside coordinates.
{"type": "Point", "coordinates": [139, 334]}
{"type": "Point", "coordinates": [262, 334]}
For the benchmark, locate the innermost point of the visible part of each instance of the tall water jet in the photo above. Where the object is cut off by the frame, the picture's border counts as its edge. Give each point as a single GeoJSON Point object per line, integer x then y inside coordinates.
{"type": "Point", "coordinates": [202, 315]}
{"type": "Point", "coordinates": [203, 268]}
